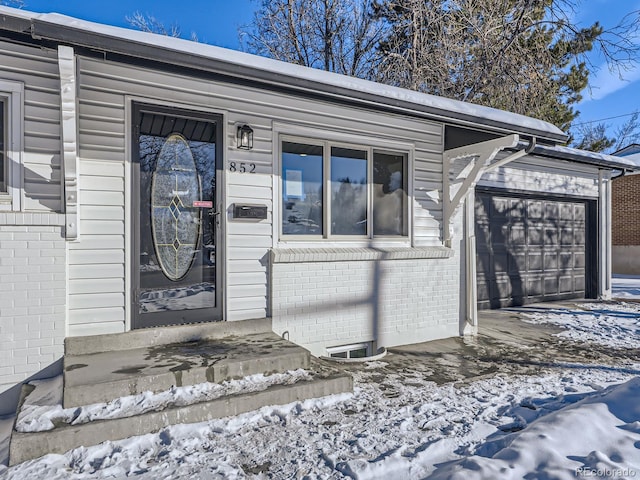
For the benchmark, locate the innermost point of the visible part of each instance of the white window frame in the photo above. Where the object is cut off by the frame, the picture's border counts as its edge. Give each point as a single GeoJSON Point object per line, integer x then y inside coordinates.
{"type": "Point", "coordinates": [328, 139]}
{"type": "Point", "coordinates": [331, 351]}
{"type": "Point", "coordinates": [12, 93]}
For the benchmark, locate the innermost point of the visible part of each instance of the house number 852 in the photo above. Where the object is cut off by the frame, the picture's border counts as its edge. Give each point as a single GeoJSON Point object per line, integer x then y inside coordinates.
{"type": "Point", "coordinates": [242, 167]}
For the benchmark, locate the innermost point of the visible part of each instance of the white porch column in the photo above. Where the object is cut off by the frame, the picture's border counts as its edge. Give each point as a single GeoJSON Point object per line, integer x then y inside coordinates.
{"type": "Point", "coordinates": [604, 234]}
{"type": "Point", "coordinates": [470, 325]}
{"type": "Point", "coordinates": [459, 189]}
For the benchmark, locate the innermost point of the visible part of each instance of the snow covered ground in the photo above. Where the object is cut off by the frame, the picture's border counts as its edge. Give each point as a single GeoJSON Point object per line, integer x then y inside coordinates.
{"type": "Point", "coordinates": [626, 287]}
{"type": "Point", "coordinates": [45, 410]}
{"type": "Point", "coordinates": [564, 420]}
{"type": "Point", "coordinates": [620, 321]}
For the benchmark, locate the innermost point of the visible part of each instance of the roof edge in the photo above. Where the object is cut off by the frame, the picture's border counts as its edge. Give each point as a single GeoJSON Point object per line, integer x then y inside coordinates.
{"type": "Point", "coordinates": [601, 160]}
{"type": "Point", "coordinates": [80, 34]}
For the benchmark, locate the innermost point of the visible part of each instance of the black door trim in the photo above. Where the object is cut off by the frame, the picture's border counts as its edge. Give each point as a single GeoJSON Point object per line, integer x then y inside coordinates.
{"type": "Point", "coordinates": [185, 316]}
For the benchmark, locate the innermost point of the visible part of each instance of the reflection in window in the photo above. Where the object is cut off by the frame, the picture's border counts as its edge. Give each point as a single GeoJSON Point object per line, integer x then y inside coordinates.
{"type": "Point", "coordinates": [186, 281]}
{"type": "Point", "coordinates": [3, 111]}
{"type": "Point", "coordinates": [348, 191]}
{"type": "Point", "coordinates": [389, 194]}
{"type": "Point", "coordinates": [366, 190]}
{"type": "Point", "coordinates": [360, 350]}
{"type": "Point", "coordinates": [302, 189]}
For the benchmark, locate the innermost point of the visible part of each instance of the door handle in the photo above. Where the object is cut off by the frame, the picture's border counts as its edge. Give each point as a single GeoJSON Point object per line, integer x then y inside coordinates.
{"type": "Point", "coordinates": [214, 218]}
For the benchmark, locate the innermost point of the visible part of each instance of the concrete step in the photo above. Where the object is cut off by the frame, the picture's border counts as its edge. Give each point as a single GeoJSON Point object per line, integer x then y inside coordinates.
{"type": "Point", "coordinates": [320, 379]}
{"type": "Point", "coordinates": [100, 377]}
{"type": "Point", "coordinates": [151, 337]}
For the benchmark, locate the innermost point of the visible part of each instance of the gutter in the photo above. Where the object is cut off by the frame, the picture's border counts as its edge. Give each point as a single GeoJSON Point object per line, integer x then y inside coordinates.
{"type": "Point", "coordinates": [622, 173]}
{"type": "Point", "coordinates": [580, 156]}
{"type": "Point", "coordinates": [514, 156]}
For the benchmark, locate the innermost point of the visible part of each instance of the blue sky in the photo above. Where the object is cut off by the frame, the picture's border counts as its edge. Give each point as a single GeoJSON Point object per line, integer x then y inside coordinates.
{"type": "Point", "coordinates": [214, 21]}
{"type": "Point", "coordinates": [217, 22]}
{"type": "Point", "coordinates": [610, 96]}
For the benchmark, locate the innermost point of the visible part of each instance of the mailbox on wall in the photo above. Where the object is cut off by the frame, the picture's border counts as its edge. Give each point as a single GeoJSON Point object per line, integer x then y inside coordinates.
{"type": "Point", "coordinates": [245, 211]}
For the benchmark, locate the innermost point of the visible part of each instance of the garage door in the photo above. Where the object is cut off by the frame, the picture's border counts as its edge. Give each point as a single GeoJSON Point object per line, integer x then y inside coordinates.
{"type": "Point", "coordinates": [529, 249]}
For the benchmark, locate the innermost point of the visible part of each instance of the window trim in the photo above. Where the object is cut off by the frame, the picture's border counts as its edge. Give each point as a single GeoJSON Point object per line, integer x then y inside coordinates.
{"type": "Point", "coordinates": [13, 93]}
{"type": "Point", "coordinates": [326, 139]}
{"type": "Point", "coordinates": [328, 191]}
{"type": "Point", "coordinates": [407, 185]}
{"type": "Point", "coordinates": [5, 117]}
{"type": "Point", "coordinates": [348, 349]}
{"type": "Point", "coordinates": [325, 208]}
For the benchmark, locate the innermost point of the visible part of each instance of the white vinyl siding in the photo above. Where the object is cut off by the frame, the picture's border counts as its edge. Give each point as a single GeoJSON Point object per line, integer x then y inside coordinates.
{"type": "Point", "coordinates": [544, 175]}
{"type": "Point", "coordinates": [37, 69]}
{"type": "Point", "coordinates": [427, 192]}
{"type": "Point", "coordinates": [103, 91]}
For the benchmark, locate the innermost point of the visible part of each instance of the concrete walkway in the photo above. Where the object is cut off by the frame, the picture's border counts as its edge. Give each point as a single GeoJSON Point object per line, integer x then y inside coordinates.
{"type": "Point", "coordinates": [505, 344]}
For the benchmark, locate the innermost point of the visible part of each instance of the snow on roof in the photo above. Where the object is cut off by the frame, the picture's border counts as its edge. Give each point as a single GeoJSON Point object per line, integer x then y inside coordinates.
{"type": "Point", "coordinates": [628, 150]}
{"type": "Point", "coordinates": [635, 158]}
{"type": "Point", "coordinates": [234, 57]}
{"type": "Point", "coordinates": [594, 157]}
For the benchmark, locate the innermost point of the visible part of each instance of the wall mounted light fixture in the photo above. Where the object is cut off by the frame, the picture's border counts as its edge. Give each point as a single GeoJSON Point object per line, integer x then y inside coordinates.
{"type": "Point", "coordinates": [244, 137]}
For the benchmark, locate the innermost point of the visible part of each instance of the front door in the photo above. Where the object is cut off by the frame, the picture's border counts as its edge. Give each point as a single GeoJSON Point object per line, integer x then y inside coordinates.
{"type": "Point", "coordinates": [176, 247]}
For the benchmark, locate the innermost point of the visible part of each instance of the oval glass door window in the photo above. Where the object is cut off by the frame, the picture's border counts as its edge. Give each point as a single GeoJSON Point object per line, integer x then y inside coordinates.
{"type": "Point", "coordinates": [175, 222]}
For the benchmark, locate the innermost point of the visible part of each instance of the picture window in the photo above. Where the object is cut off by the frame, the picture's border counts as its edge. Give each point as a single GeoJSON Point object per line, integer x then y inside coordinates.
{"type": "Point", "coordinates": [343, 191]}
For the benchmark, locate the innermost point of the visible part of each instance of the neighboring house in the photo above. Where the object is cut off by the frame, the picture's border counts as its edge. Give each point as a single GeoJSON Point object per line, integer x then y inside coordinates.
{"type": "Point", "coordinates": [151, 181]}
{"type": "Point", "coordinates": [625, 218]}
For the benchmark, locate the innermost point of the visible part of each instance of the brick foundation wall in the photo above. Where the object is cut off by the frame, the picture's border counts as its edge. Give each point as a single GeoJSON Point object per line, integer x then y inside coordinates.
{"type": "Point", "coordinates": [625, 211]}
{"type": "Point", "coordinates": [32, 295]}
{"type": "Point", "coordinates": [327, 304]}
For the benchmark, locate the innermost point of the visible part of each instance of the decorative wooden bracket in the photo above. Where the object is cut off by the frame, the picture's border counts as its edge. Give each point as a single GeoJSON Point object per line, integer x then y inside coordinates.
{"type": "Point", "coordinates": [457, 185]}
{"type": "Point", "coordinates": [67, 68]}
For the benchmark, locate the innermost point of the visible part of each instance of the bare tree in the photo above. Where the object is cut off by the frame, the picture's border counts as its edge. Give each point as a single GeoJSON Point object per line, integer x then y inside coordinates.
{"type": "Point", "coordinates": [149, 23]}
{"type": "Point", "coordinates": [509, 54]}
{"type": "Point", "coordinates": [525, 56]}
{"type": "Point", "coordinates": [595, 136]}
{"type": "Point", "coordinates": [592, 137]}
{"type": "Point", "coordinates": [12, 3]}
{"type": "Point", "coordinates": [333, 35]}
{"type": "Point", "coordinates": [628, 132]}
